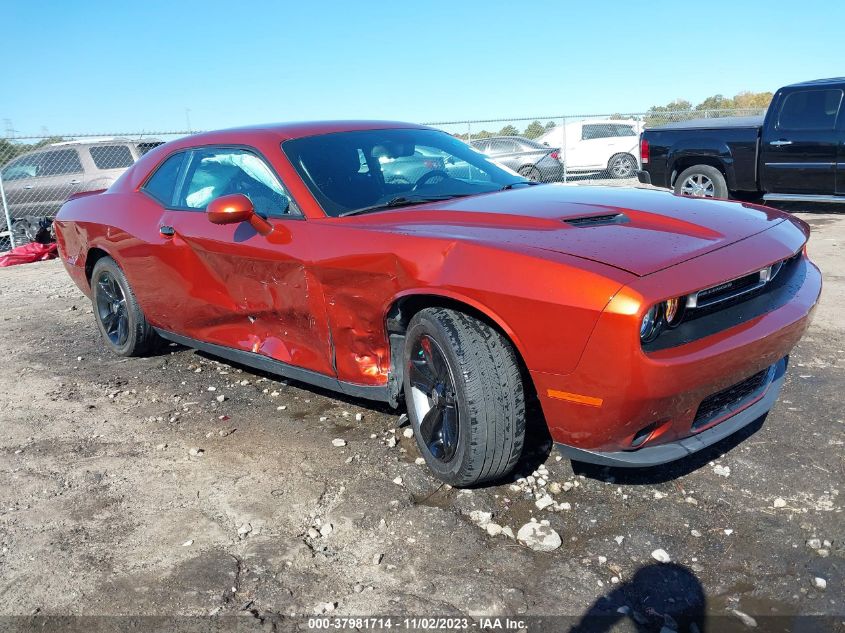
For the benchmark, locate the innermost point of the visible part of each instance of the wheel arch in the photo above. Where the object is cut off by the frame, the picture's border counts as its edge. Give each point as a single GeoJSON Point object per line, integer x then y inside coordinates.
{"type": "Point", "coordinates": [719, 158]}
{"type": "Point", "coordinates": [92, 256]}
{"type": "Point", "coordinates": [405, 305]}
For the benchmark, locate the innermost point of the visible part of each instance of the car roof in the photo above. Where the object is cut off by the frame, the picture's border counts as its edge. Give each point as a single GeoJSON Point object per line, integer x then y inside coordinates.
{"type": "Point", "coordinates": [500, 138]}
{"type": "Point", "coordinates": [818, 82]}
{"type": "Point", "coordinates": [288, 131]}
{"type": "Point", "coordinates": [99, 141]}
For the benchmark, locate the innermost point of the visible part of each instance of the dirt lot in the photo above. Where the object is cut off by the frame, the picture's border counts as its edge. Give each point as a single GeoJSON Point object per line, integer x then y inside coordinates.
{"type": "Point", "coordinates": [128, 487]}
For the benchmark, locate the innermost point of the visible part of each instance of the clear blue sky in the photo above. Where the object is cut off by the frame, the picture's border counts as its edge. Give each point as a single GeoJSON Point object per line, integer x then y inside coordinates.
{"type": "Point", "coordinates": [101, 67]}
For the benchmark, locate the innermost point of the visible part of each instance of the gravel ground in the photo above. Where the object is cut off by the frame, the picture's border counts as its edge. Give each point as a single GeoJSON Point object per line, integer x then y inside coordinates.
{"type": "Point", "coordinates": [177, 484]}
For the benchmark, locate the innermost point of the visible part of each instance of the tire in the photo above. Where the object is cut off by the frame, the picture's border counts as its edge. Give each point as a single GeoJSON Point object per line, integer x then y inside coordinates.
{"type": "Point", "coordinates": [530, 172]}
{"type": "Point", "coordinates": [479, 393]}
{"type": "Point", "coordinates": [622, 166]}
{"type": "Point", "coordinates": [701, 181]}
{"type": "Point", "coordinates": [119, 318]}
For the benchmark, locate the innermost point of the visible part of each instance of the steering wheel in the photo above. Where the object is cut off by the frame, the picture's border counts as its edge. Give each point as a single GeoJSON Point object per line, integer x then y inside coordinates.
{"type": "Point", "coordinates": [437, 175]}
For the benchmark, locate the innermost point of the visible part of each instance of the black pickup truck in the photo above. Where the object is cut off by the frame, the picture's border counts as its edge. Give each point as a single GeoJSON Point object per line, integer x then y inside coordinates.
{"type": "Point", "coordinates": [796, 152]}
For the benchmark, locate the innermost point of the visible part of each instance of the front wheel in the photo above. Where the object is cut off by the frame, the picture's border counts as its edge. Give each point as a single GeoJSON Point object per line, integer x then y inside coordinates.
{"type": "Point", "coordinates": [119, 318]}
{"type": "Point", "coordinates": [701, 181]}
{"type": "Point", "coordinates": [465, 398]}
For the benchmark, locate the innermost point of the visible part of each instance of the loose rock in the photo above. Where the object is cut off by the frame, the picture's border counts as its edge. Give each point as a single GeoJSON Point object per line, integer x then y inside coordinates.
{"type": "Point", "coordinates": [661, 556]}
{"type": "Point", "coordinates": [540, 538]}
{"type": "Point", "coordinates": [722, 471]}
{"type": "Point", "coordinates": [338, 442]}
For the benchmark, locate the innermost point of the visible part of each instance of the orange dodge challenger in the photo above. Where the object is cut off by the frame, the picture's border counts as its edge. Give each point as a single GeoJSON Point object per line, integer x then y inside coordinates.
{"type": "Point", "coordinates": [393, 262]}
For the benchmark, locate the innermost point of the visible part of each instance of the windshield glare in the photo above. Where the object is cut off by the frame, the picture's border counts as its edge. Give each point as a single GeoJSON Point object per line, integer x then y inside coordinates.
{"type": "Point", "coordinates": [350, 171]}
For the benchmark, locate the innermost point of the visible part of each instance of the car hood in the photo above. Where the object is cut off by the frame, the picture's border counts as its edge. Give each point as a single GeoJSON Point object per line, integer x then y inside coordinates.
{"type": "Point", "coordinates": [639, 231]}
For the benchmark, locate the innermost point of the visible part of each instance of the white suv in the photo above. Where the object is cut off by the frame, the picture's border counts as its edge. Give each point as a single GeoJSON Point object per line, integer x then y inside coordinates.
{"type": "Point", "coordinates": [610, 145]}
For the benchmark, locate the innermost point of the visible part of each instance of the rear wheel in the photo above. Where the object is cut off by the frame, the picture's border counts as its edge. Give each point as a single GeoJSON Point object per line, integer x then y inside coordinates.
{"type": "Point", "coordinates": [701, 181]}
{"type": "Point", "coordinates": [119, 318]}
{"type": "Point", "coordinates": [530, 172]}
{"type": "Point", "coordinates": [622, 166]}
{"type": "Point", "coordinates": [465, 398]}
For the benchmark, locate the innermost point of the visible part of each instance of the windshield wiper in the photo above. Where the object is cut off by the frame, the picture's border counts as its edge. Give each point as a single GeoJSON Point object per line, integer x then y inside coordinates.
{"type": "Point", "coordinates": [401, 201]}
{"type": "Point", "coordinates": [529, 183]}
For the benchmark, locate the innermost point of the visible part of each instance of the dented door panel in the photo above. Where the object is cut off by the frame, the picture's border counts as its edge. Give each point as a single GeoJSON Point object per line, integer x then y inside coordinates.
{"type": "Point", "coordinates": [231, 286]}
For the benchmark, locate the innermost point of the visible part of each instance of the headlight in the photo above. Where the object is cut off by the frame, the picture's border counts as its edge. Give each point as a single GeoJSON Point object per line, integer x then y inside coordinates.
{"type": "Point", "coordinates": [667, 313]}
{"type": "Point", "coordinates": [673, 311]}
{"type": "Point", "coordinates": [650, 325]}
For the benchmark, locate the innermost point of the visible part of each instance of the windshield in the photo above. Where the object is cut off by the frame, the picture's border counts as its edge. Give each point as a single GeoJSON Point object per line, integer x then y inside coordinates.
{"type": "Point", "coordinates": [371, 169]}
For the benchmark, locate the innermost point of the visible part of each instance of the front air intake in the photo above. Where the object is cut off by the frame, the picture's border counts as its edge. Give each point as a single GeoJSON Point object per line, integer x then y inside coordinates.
{"type": "Point", "coordinates": [598, 220]}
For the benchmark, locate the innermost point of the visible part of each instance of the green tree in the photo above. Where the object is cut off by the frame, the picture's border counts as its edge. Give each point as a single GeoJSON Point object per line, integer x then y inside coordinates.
{"type": "Point", "coordinates": [715, 106]}
{"type": "Point", "coordinates": [534, 129]}
{"type": "Point", "coordinates": [549, 125]}
{"type": "Point", "coordinates": [509, 130]}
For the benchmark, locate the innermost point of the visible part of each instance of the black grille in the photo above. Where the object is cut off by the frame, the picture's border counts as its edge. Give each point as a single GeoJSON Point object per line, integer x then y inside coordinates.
{"type": "Point", "coordinates": [594, 220]}
{"type": "Point", "coordinates": [728, 289]}
{"type": "Point", "coordinates": [728, 399]}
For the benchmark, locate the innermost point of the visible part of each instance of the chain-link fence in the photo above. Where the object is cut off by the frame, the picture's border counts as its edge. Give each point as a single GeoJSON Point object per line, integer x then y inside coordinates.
{"type": "Point", "coordinates": [37, 174]}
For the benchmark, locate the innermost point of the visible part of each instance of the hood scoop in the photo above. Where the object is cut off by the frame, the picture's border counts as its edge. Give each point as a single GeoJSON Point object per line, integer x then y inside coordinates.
{"type": "Point", "coordinates": [598, 220]}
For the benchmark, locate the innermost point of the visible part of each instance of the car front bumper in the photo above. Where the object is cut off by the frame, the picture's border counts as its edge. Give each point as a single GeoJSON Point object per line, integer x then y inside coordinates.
{"type": "Point", "coordinates": [756, 406]}
{"type": "Point", "coordinates": [601, 411]}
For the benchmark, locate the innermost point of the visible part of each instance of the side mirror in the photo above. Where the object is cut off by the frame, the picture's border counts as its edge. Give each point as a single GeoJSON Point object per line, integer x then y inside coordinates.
{"type": "Point", "coordinates": [236, 208]}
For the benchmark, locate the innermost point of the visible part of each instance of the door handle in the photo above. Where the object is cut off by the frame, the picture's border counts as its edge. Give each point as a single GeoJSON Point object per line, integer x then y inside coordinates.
{"type": "Point", "coordinates": [28, 186]}
{"type": "Point", "coordinates": [167, 231]}
{"type": "Point", "coordinates": [779, 143]}
{"type": "Point", "coordinates": [74, 182]}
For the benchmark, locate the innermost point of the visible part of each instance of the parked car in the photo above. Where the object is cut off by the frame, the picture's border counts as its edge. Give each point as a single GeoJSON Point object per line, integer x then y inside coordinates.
{"type": "Point", "coordinates": [37, 183]}
{"type": "Point", "coordinates": [795, 152]}
{"type": "Point", "coordinates": [598, 145]}
{"type": "Point", "coordinates": [528, 158]}
{"type": "Point", "coordinates": [647, 326]}
{"type": "Point", "coordinates": [408, 169]}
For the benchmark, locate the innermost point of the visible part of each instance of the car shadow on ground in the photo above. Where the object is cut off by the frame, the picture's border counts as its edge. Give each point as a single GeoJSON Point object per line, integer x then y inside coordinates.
{"type": "Point", "coordinates": [672, 470]}
{"type": "Point", "coordinates": [657, 595]}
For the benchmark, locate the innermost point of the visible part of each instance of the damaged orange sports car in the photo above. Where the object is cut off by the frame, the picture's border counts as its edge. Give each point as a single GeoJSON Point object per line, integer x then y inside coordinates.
{"type": "Point", "coordinates": [393, 262]}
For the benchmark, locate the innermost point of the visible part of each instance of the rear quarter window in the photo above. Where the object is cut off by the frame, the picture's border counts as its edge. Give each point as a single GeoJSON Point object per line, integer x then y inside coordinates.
{"type": "Point", "coordinates": [162, 184]}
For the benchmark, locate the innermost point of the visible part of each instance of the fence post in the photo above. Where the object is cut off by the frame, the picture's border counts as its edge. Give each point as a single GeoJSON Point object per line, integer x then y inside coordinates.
{"type": "Point", "coordinates": [563, 150]}
{"type": "Point", "coordinates": [6, 212]}
{"type": "Point", "coordinates": [469, 132]}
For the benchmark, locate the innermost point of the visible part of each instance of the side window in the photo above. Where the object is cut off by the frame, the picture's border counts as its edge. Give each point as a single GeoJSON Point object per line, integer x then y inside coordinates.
{"type": "Point", "coordinates": [502, 146]}
{"type": "Point", "coordinates": [219, 172]}
{"type": "Point", "coordinates": [162, 184]}
{"type": "Point", "coordinates": [23, 167]}
{"type": "Point", "coordinates": [598, 130]}
{"type": "Point", "coordinates": [625, 130]}
{"type": "Point", "coordinates": [111, 156]}
{"type": "Point", "coordinates": [145, 147]}
{"type": "Point", "coordinates": [65, 161]}
{"type": "Point", "coordinates": [588, 132]}
{"type": "Point", "coordinates": [810, 110]}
